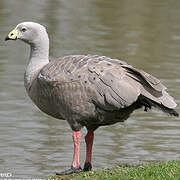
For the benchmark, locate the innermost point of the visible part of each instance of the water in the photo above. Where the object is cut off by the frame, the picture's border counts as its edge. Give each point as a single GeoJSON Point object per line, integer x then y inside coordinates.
{"type": "Point", "coordinates": [144, 33]}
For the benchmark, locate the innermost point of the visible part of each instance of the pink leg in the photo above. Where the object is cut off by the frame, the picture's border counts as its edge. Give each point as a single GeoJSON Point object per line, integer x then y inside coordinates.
{"type": "Point", "coordinates": [89, 143]}
{"type": "Point", "coordinates": [76, 138]}
{"type": "Point", "coordinates": [75, 168]}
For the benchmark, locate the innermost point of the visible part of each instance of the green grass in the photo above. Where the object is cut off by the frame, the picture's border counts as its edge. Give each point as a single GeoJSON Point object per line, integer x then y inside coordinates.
{"type": "Point", "coordinates": [151, 171]}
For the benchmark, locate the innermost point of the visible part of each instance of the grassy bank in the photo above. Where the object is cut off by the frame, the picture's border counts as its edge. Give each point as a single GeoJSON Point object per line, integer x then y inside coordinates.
{"type": "Point", "coordinates": [151, 171]}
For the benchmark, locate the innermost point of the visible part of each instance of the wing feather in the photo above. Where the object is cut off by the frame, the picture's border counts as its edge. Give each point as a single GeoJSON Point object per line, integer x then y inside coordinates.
{"type": "Point", "coordinates": [113, 84]}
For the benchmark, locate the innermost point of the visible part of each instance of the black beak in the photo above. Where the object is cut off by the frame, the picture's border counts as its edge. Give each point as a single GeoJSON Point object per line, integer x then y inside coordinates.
{"type": "Point", "coordinates": [7, 38]}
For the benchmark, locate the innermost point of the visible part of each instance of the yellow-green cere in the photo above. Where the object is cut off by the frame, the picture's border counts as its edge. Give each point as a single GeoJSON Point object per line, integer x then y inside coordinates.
{"type": "Point", "coordinates": [13, 34]}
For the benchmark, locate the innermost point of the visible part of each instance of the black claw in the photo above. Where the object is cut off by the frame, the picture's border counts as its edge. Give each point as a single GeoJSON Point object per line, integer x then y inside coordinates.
{"type": "Point", "coordinates": [71, 171]}
{"type": "Point", "coordinates": [87, 166]}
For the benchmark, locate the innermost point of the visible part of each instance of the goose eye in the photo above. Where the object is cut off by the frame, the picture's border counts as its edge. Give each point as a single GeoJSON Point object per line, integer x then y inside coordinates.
{"type": "Point", "coordinates": [23, 29]}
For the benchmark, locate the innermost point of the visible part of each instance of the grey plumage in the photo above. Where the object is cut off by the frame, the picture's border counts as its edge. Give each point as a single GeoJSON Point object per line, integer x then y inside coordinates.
{"type": "Point", "coordinates": [85, 89]}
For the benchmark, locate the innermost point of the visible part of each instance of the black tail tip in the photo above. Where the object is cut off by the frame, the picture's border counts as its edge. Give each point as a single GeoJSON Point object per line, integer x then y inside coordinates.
{"type": "Point", "coordinates": [174, 113]}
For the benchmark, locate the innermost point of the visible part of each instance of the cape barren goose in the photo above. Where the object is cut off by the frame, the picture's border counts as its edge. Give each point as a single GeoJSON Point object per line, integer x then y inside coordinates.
{"type": "Point", "coordinates": [86, 90]}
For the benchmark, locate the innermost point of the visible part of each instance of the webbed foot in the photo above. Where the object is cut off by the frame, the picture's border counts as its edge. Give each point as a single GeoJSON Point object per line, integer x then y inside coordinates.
{"type": "Point", "coordinates": [87, 166]}
{"type": "Point", "coordinates": [70, 171]}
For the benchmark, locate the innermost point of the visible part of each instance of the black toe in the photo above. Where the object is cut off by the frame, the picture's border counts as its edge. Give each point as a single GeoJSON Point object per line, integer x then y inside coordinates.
{"type": "Point", "coordinates": [71, 171]}
{"type": "Point", "coordinates": [87, 166]}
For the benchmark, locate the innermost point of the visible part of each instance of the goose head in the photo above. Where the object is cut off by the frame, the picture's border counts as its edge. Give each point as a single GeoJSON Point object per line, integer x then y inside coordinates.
{"type": "Point", "coordinates": [29, 32]}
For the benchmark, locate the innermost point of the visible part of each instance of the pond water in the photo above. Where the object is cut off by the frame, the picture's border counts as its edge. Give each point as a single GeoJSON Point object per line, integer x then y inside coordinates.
{"type": "Point", "coordinates": [144, 33]}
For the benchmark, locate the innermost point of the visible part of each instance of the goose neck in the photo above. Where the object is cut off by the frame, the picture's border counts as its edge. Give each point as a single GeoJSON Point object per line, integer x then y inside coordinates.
{"type": "Point", "coordinates": [39, 57]}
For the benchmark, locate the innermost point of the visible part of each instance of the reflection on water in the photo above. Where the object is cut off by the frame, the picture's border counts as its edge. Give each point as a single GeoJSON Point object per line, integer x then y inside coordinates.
{"type": "Point", "coordinates": [144, 33]}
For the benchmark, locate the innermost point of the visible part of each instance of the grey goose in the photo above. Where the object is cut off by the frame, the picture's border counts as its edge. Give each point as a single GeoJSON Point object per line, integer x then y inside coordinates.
{"type": "Point", "coordinates": [86, 90]}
